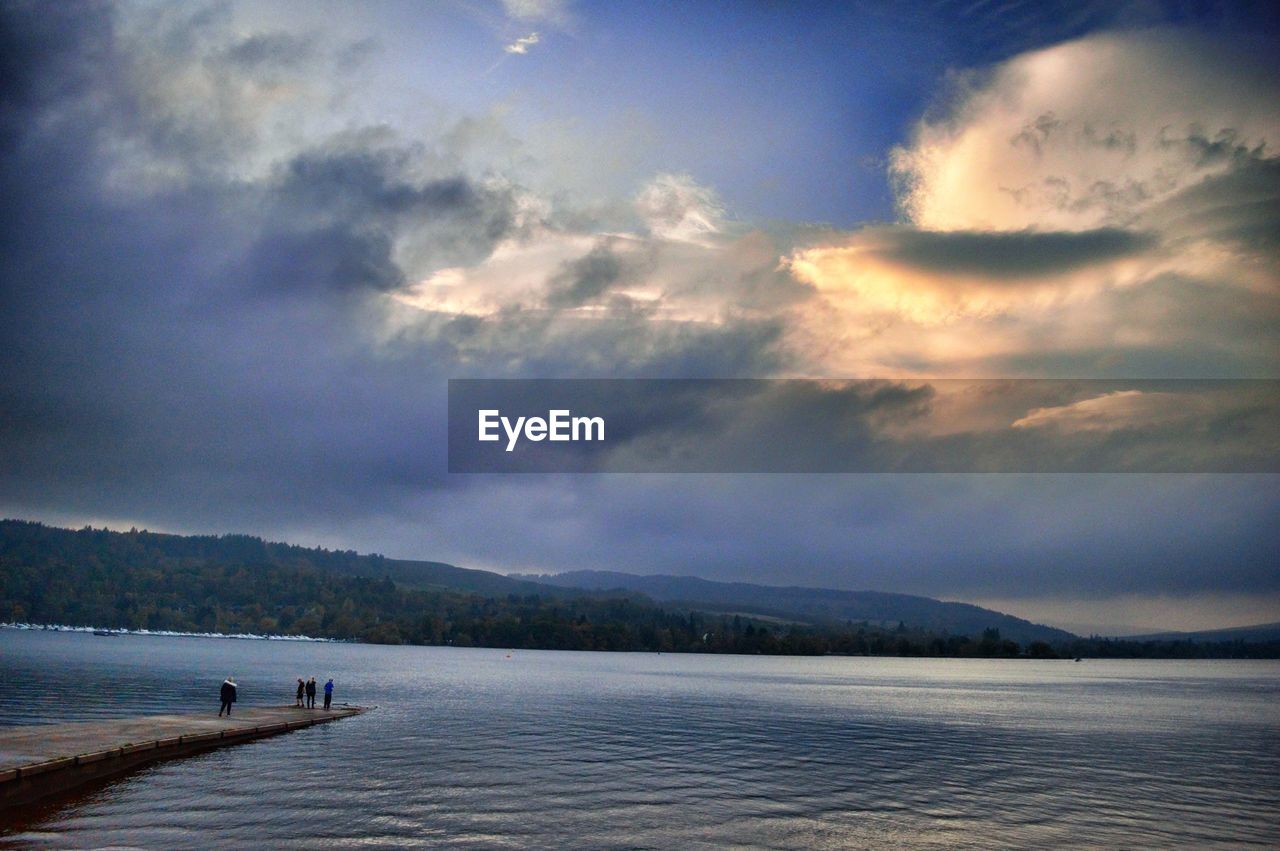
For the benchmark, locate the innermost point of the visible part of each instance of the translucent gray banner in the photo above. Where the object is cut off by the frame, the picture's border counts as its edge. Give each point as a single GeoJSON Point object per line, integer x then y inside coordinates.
{"type": "Point", "coordinates": [863, 426]}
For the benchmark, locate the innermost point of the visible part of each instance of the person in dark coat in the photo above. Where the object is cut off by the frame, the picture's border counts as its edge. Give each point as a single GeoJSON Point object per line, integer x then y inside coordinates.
{"type": "Point", "coordinates": [228, 696]}
{"type": "Point", "coordinates": [302, 689]}
{"type": "Point", "coordinates": [328, 693]}
{"type": "Point", "coordinates": [311, 693]}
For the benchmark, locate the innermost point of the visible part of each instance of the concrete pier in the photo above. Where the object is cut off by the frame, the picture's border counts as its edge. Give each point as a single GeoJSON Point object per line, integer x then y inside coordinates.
{"type": "Point", "coordinates": [41, 760]}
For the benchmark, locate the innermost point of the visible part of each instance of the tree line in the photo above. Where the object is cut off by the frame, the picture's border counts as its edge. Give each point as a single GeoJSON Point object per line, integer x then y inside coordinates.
{"type": "Point", "coordinates": [240, 584]}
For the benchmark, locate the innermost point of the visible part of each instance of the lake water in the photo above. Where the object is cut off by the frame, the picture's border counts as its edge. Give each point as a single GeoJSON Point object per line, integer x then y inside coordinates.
{"type": "Point", "coordinates": [539, 749]}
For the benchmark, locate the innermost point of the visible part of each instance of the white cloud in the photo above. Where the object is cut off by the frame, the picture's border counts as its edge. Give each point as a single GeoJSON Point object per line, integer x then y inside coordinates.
{"type": "Point", "coordinates": [1035, 145]}
{"type": "Point", "coordinates": [513, 275]}
{"type": "Point", "coordinates": [675, 207]}
{"type": "Point", "coordinates": [522, 45]}
{"type": "Point", "coordinates": [552, 11]}
{"type": "Point", "coordinates": [1050, 228]}
{"type": "Point", "coordinates": [1122, 409]}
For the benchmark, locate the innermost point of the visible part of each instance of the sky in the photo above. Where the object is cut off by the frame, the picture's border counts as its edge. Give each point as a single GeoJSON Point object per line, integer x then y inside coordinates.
{"type": "Point", "coordinates": [245, 246]}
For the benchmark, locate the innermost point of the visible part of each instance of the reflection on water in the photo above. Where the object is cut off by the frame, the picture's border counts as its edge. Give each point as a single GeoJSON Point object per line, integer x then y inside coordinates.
{"type": "Point", "coordinates": [488, 749]}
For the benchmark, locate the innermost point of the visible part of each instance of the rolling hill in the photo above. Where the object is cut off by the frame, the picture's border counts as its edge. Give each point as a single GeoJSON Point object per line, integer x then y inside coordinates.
{"type": "Point", "coordinates": [136, 575]}
{"type": "Point", "coordinates": [1256, 633]}
{"type": "Point", "coordinates": [812, 605]}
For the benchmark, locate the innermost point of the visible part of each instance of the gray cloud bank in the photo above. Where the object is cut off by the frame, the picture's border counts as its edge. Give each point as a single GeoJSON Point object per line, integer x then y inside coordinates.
{"type": "Point", "coordinates": [1007, 255]}
{"type": "Point", "coordinates": [197, 337]}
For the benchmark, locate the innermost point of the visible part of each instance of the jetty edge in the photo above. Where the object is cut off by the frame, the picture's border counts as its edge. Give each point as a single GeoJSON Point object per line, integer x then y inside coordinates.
{"type": "Point", "coordinates": [39, 761]}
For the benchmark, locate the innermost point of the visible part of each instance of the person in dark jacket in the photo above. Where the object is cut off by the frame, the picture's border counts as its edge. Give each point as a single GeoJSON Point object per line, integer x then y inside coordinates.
{"type": "Point", "coordinates": [302, 689]}
{"type": "Point", "coordinates": [228, 696]}
{"type": "Point", "coordinates": [328, 693]}
{"type": "Point", "coordinates": [311, 693]}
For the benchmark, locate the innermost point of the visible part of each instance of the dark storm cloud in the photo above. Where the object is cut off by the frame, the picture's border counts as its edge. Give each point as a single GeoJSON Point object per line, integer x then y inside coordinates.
{"type": "Point", "coordinates": [1005, 255]}
{"type": "Point", "coordinates": [202, 352]}
{"type": "Point", "coordinates": [140, 378]}
{"type": "Point", "coordinates": [334, 214]}
{"type": "Point", "coordinates": [46, 53]}
{"type": "Point", "coordinates": [352, 184]}
{"type": "Point", "coordinates": [585, 279]}
{"type": "Point", "coordinates": [332, 257]}
{"type": "Point", "coordinates": [624, 342]}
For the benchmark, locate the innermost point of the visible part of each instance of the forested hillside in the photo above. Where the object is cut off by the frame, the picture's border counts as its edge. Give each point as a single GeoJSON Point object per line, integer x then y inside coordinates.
{"type": "Point", "coordinates": [241, 584]}
{"type": "Point", "coordinates": [818, 606]}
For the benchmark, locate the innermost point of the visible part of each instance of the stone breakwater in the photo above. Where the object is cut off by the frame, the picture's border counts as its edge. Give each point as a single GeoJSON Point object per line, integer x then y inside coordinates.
{"type": "Point", "coordinates": [39, 761]}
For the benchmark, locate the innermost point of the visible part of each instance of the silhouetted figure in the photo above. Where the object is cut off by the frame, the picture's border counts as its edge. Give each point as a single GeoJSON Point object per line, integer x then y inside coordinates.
{"type": "Point", "coordinates": [302, 689]}
{"type": "Point", "coordinates": [228, 696]}
{"type": "Point", "coordinates": [311, 693]}
{"type": "Point", "coordinates": [328, 693]}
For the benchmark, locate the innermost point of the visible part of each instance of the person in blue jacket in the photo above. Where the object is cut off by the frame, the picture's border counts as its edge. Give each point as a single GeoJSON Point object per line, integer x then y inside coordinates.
{"type": "Point", "coordinates": [328, 693]}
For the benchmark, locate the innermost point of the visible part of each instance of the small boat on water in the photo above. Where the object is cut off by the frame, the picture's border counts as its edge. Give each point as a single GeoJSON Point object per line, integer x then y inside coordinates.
{"type": "Point", "coordinates": [105, 632]}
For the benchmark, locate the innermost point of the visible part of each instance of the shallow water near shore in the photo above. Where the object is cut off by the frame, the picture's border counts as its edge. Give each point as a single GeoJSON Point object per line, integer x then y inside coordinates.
{"type": "Point", "coordinates": [542, 749]}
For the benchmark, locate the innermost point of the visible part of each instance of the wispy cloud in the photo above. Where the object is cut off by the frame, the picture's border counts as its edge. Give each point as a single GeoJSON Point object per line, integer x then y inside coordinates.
{"type": "Point", "coordinates": [551, 11]}
{"type": "Point", "coordinates": [522, 45]}
{"type": "Point", "coordinates": [1114, 411]}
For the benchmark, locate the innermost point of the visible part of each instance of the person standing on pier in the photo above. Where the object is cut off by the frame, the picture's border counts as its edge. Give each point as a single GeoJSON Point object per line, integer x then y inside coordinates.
{"type": "Point", "coordinates": [328, 693]}
{"type": "Point", "coordinates": [228, 696]}
{"type": "Point", "coordinates": [302, 689]}
{"type": "Point", "coordinates": [311, 693]}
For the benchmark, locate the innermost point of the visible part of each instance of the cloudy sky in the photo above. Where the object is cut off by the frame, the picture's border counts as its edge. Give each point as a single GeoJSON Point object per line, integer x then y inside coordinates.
{"type": "Point", "coordinates": [245, 245]}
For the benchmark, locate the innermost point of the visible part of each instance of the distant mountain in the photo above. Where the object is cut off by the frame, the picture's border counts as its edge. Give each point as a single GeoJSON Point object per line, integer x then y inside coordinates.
{"type": "Point", "coordinates": [819, 606]}
{"type": "Point", "coordinates": [236, 584]}
{"type": "Point", "coordinates": [1256, 633]}
{"type": "Point", "coordinates": [438, 575]}
{"type": "Point", "coordinates": [21, 538]}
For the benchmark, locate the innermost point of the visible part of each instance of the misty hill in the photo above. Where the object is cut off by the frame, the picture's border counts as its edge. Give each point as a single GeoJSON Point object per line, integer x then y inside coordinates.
{"type": "Point", "coordinates": [35, 543]}
{"type": "Point", "coordinates": [442, 576]}
{"type": "Point", "coordinates": [820, 606]}
{"type": "Point", "coordinates": [241, 584]}
{"type": "Point", "coordinates": [1262, 632]}
{"type": "Point", "coordinates": [18, 537]}
{"type": "Point", "coordinates": [164, 581]}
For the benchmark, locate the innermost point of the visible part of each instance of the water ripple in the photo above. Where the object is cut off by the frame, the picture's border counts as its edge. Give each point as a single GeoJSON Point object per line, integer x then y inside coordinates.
{"type": "Point", "coordinates": [471, 748]}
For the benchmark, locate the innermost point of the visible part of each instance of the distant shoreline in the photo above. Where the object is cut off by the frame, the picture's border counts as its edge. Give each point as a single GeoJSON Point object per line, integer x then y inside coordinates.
{"type": "Point", "coordinates": [88, 630]}
{"type": "Point", "coordinates": [166, 633]}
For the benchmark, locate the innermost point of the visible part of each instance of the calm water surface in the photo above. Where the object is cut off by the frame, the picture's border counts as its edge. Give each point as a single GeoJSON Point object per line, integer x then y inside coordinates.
{"type": "Point", "coordinates": [478, 748]}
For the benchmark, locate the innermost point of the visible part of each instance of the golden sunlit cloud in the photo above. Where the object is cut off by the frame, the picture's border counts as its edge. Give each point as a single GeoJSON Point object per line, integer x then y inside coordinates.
{"type": "Point", "coordinates": [683, 264]}
{"type": "Point", "coordinates": [1046, 226]}
{"type": "Point", "coordinates": [1122, 409]}
{"type": "Point", "coordinates": [872, 271]}
{"type": "Point", "coordinates": [1045, 221]}
{"type": "Point", "coordinates": [1033, 146]}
